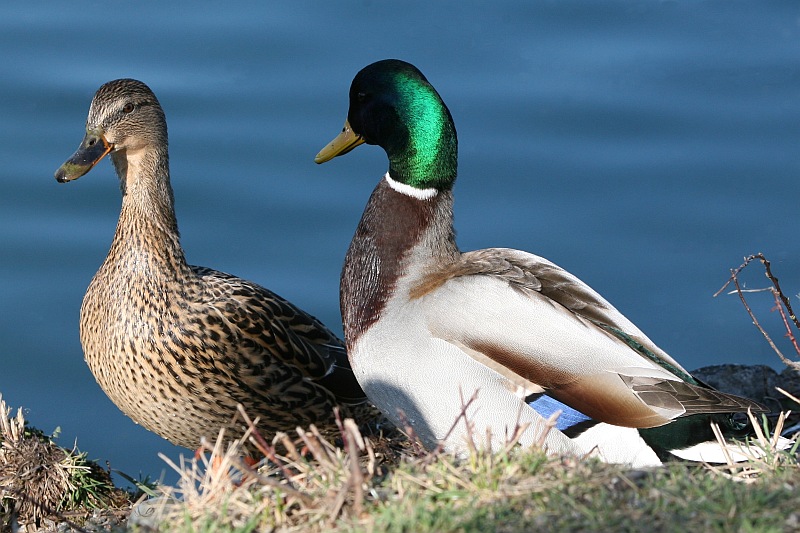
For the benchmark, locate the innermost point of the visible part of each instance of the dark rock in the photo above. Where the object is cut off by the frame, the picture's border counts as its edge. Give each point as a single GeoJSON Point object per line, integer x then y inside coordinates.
{"type": "Point", "coordinates": [756, 382]}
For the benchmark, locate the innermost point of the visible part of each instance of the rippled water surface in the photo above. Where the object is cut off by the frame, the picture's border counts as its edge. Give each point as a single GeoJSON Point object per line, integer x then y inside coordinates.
{"type": "Point", "coordinates": [645, 146]}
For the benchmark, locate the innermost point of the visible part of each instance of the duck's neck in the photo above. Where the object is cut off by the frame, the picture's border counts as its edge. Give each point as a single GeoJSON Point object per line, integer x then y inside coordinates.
{"type": "Point", "coordinates": [423, 151]}
{"type": "Point", "coordinates": [400, 234]}
{"type": "Point", "coordinates": [147, 238]}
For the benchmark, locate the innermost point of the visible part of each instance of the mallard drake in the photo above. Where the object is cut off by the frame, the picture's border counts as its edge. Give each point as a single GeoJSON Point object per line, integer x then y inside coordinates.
{"type": "Point", "coordinates": [427, 325]}
{"type": "Point", "coordinates": [176, 347]}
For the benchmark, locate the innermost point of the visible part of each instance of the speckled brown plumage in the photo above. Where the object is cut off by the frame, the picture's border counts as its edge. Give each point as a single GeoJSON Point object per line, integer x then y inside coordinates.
{"type": "Point", "coordinates": [176, 346]}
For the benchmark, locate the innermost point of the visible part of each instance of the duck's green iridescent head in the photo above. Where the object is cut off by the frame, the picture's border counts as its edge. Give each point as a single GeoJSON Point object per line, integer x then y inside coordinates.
{"type": "Point", "coordinates": [393, 105]}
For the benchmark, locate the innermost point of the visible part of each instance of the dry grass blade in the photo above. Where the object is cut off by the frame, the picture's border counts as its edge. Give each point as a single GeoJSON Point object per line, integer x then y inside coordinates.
{"type": "Point", "coordinates": [723, 444]}
{"type": "Point", "coordinates": [761, 456]}
{"type": "Point", "coordinates": [355, 442]}
{"type": "Point", "coordinates": [788, 395]}
{"type": "Point", "coordinates": [762, 440]}
{"type": "Point", "coordinates": [213, 488]}
{"type": "Point", "coordinates": [311, 484]}
{"type": "Point", "coordinates": [296, 490]}
{"type": "Point", "coordinates": [41, 481]}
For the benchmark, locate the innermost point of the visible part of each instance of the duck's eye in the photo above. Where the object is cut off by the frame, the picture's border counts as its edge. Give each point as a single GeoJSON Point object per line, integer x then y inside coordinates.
{"type": "Point", "coordinates": [361, 97]}
{"type": "Point", "coordinates": [128, 108]}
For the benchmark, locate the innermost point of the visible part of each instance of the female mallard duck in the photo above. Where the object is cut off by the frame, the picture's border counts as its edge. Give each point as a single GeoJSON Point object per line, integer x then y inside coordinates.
{"type": "Point", "coordinates": [176, 346]}
{"type": "Point", "coordinates": [427, 325]}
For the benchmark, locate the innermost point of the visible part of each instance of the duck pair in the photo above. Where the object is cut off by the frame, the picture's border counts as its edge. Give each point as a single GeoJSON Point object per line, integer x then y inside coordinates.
{"type": "Point", "coordinates": [427, 327]}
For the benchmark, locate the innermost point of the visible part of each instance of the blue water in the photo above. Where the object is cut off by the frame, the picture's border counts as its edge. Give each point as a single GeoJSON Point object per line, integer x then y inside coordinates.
{"type": "Point", "coordinates": [645, 146]}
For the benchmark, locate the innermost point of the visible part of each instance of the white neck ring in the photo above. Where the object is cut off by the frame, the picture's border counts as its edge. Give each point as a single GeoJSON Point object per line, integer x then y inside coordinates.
{"type": "Point", "coordinates": [408, 190]}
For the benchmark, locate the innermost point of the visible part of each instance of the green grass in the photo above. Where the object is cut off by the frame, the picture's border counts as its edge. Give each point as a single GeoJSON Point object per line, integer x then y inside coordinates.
{"type": "Point", "coordinates": [525, 491]}
{"type": "Point", "coordinates": [399, 489]}
{"type": "Point", "coordinates": [386, 483]}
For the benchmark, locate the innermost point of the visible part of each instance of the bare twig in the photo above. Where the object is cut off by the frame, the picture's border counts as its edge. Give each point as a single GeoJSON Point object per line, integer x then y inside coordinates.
{"type": "Point", "coordinates": [789, 332]}
{"type": "Point", "coordinates": [734, 273]}
{"type": "Point", "coordinates": [470, 427]}
{"type": "Point", "coordinates": [261, 444]}
{"type": "Point", "coordinates": [463, 414]}
{"type": "Point", "coordinates": [416, 444]}
{"type": "Point", "coordinates": [756, 322]}
{"type": "Point", "coordinates": [782, 304]}
{"type": "Point", "coordinates": [550, 423]}
{"type": "Point", "coordinates": [774, 280]}
{"type": "Point", "coordinates": [259, 441]}
{"type": "Point", "coordinates": [314, 445]}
